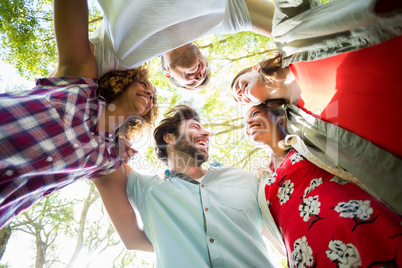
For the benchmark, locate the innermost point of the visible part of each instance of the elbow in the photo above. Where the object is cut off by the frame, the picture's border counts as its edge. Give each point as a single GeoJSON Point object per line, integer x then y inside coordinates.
{"type": "Point", "coordinates": [130, 245]}
{"type": "Point", "coordinates": [138, 245]}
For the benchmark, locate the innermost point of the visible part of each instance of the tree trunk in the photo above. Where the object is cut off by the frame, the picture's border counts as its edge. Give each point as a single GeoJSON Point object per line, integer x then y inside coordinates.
{"type": "Point", "coordinates": [5, 234]}
{"type": "Point", "coordinates": [40, 251]}
{"type": "Point", "coordinates": [80, 239]}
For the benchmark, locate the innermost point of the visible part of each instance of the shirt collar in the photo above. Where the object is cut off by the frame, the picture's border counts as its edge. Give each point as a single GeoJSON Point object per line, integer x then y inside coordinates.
{"type": "Point", "coordinates": [170, 174]}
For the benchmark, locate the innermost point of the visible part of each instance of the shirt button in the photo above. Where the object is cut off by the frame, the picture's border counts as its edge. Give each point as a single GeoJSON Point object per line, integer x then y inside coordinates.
{"type": "Point", "coordinates": [202, 185]}
{"type": "Point", "coordinates": [363, 42]}
{"type": "Point", "coordinates": [9, 172]}
{"type": "Point", "coordinates": [110, 135]}
{"type": "Point", "coordinates": [92, 133]}
{"type": "Point", "coordinates": [49, 159]}
{"type": "Point", "coordinates": [211, 240]}
{"type": "Point", "coordinates": [206, 209]}
{"type": "Point", "coordinates": [75, 145]}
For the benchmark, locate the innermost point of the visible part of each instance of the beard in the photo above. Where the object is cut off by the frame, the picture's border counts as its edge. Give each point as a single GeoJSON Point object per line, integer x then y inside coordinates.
{"type": "Point", "coordinates": [200, 156]}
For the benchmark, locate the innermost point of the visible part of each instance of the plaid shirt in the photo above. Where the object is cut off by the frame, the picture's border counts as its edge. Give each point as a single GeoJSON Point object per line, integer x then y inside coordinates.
{"type": "Point", "coordinates": [49, 139]}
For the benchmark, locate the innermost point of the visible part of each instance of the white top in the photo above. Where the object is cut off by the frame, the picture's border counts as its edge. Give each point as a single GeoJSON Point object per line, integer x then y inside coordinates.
{"type": "Point", "coordinates": [213, 223]}
{"type": "Point", "coordinates": [132, 32]}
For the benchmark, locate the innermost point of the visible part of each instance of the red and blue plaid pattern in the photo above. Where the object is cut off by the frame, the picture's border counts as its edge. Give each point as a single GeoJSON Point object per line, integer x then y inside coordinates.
{"type": "Point", "coordinates": [49, 139]}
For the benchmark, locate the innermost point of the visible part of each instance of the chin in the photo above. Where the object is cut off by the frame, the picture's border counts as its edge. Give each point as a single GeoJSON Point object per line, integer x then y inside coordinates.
{"type": "Point", "coordinates": [257, 140]}
{"type": "Point", "coordinates": [202, 155]}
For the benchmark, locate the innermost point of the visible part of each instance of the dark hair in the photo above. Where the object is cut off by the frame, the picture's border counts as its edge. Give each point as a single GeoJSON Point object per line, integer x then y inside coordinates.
{"type": "Point", "coordinates": [176, 84]}
{"type": "Point", "coordinates": [114, 83]}
{"type": "Point", "coordinates": [170, 124]}
{"type": "Point", "coordinates": [268, 69]}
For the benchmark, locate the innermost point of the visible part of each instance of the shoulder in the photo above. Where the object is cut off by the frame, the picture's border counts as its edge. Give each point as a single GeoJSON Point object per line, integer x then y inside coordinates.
{"type": "Point", "coordinates": [234, 174]}
{"type": "Point", "coordinates": [144, 180]}
{"type": "Point", "coordinates": [61, 87]}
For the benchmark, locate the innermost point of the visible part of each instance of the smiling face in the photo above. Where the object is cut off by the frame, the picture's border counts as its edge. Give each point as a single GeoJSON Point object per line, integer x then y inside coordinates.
{"type": "Point", "coordinates": [193, 140]}
{"type": "Point", "coordinates": [186, 66]}
{"type": "Point", "coordinates": [250, 88]}
{"type": "Point", "coordinates": [140, 94]}
{"type": "Point", "coordinates": [263, 127]}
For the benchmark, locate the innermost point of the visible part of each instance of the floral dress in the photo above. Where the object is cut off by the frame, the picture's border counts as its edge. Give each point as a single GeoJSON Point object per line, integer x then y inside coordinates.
{"type": "Point", "coordinates": [328, 222]}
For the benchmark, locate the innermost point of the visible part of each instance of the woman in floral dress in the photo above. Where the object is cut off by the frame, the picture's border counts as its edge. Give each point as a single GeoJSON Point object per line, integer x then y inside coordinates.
{"type": "Point", "coordinates": [325, 221]}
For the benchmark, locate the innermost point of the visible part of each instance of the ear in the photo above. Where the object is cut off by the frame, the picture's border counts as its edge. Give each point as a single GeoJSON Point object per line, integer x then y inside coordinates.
{"type": "Point", "coordinates": [257, 67]}
{"type": "Point", "coordinates": [169, 138]}
{"type": "Point", "coordinates": [166, 72]}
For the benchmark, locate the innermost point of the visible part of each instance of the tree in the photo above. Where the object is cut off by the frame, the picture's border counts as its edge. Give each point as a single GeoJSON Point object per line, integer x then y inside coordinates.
{"type": "Point", "coordinates": [90, 199]}
{"type": "Point", "coordinates": [27, 36]}
{"type": "Point", "coordinates": [27, 42]}
{"type": "Point", "coordinates": [44, 221]}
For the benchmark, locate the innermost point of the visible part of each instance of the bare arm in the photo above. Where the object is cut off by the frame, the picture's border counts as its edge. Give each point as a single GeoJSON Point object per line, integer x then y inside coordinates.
{"type": "Point", "coordinates": [112, 189]}
{"type": "Point", "coordinates": [261, 13]}
{"type": "Point", "coordinates": [71, 30]}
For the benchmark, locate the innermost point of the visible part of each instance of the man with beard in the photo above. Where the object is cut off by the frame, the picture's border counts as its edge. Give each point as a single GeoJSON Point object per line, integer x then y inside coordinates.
{"type": "Point", "coordinates": [135, 31]}
{"type": "Point", "coordinates": [193, 217]}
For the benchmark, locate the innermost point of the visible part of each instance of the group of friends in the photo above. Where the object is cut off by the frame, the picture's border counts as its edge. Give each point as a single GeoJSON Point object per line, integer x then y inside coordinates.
{"type": "Point", "coordinates": [332, 194]}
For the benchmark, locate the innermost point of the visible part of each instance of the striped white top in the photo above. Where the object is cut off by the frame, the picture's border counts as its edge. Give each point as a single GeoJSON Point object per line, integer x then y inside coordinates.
{"type": "Point", "coordinates": [134, 31]}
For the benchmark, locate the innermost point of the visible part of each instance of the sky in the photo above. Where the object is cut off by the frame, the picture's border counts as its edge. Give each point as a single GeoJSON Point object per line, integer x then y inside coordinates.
{"type": "Point", "coordinates": [20, 252]}
{"type": "Point", "coordinates": [9, 78]}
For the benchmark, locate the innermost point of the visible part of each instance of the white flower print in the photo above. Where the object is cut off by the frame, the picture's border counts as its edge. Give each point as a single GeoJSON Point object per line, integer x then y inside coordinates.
{"type": "Point", "coordinates": [309, 207]}
{"type": "Point", "coordinates": [285, 191]}
{"type": "Point", "coordinates": [302, 254]}
{"type": "Point", "coordinates": [355, 208]}
{"type": "Point", "coordinates": [271, 179]}
{"type": "Point", "coordinates": [296, 157]}
{"type": "Point", "coordinates": [338, 180]}
{"type": "Point", "coordinates": [313, 184]}
{"type": "Point", "coordinates": [346, 256]}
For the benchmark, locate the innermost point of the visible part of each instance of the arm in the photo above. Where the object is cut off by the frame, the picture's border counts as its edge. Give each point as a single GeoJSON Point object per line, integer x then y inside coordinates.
{"type": "Point", "coordinates": [261, 13]}
{"type": "Point", "coordinates": [112, 189]}
{"type": "Point", "coordinates": [71, 30]}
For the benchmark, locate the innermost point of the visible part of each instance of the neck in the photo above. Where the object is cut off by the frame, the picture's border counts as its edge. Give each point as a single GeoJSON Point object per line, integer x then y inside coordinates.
{"type": "Point", "coordinates": [292, 92]}
{"type": "Point", "coordinates": [112, 117]}
{"type": "Point", "coordinates": [180, 163]}
{"type": "Point", "coordinates": [278, 155]}
{"type": "Point", "coordinates": [176, 53]}
{"type": "Point", "coordinates": [288, 88]}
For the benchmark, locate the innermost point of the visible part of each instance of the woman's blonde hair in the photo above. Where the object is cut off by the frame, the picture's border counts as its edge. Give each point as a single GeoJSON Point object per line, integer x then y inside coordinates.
{"type": "Point", "coordinates": [114, 83]}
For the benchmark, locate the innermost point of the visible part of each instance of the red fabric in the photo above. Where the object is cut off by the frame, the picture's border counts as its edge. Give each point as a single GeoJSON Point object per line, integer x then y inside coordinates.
{"type": "Point", "coordinates": [360, 91]}
{"type": "Point", "coordinates": [318, 214]}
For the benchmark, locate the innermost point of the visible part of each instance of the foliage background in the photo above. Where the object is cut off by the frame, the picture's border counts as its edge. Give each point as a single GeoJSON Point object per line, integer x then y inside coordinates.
{"type": "Point", "coordinates": [70, 228]}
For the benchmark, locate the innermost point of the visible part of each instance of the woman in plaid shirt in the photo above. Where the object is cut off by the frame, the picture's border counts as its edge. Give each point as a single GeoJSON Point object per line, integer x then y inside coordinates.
{"type": "Point", "coordinates": [63, 130]}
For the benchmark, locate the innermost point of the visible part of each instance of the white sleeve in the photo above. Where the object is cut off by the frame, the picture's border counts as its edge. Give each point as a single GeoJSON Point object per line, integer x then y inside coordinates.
{"type": "Point", "coordinates": [105, 55]}
{"type": "Point", "coordinates": [237, 18]}
{"type": "Point", "coordinates": [135, 31]}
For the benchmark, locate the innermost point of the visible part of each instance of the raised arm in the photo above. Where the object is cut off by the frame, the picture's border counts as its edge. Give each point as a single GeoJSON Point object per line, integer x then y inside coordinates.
{"type": "Point", "coordinates": [71, 29]}
{"type": "Point", "coordinates": [112, 189]}
{"type": "Point", "coordinates": [261, 13]}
